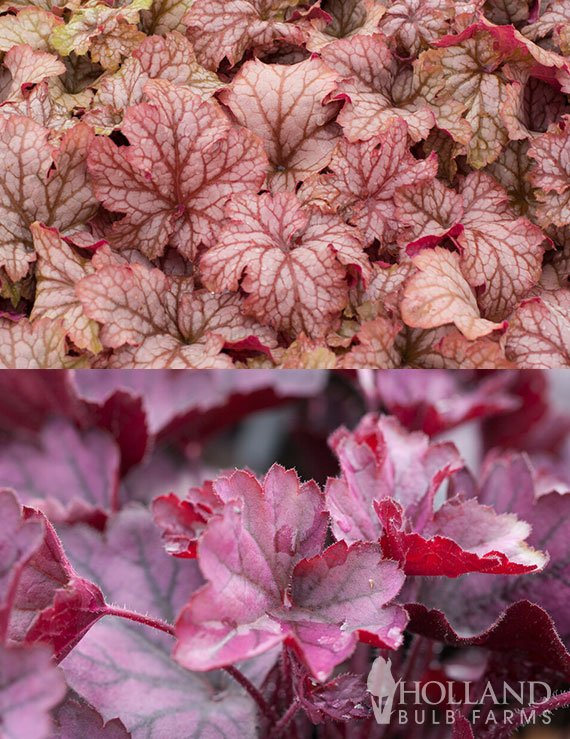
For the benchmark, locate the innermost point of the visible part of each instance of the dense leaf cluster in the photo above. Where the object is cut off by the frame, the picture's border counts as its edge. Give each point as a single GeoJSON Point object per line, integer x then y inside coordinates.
{"type": "Point", "coordinates": [279, 184]}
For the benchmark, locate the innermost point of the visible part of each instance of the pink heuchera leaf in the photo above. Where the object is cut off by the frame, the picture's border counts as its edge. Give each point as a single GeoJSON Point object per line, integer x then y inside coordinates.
{"type": "Point", "coordinates": [499, 253]}
{"type": "Point", "coordinates": [69, 475]}
{"type": "Point", "coordinates": [379, 458]}
{"type": "Point", "coordinates": [282, 588]}
{"type": "Point", "coordinates": [130, 564]}
{"type": "Point", "coordinates": [555, 15]}
{"type": "Point", "coordinates": [37, 105]}
{"type": "Point", "coordinates": [172, 58]}
{"type": "Point", "coordinates": [510, 44]}
{"type": "Point", "coordinates": [377, 346]}
{"type": "Point", "coordinates": [430, 212]}
{"type": "Point", "coordinates": [131, 301]}
{"type": "Point", "coordinates": [294, 260]}
{"type": "Point", "coordinates": [376, 92]}
{"type": "Point", "coordinates": [219, 29]}
{"type": "Point", "coordinates": [59, 195]}
{"type": "Point", "coordinates": [385, 286]}
{"type": "Point", "coordinates": [325, 626]}
{"type": "Point", "coordinates": [343, 19]}
{"type": "Point", "coordinates": [172, 203]}
{"type": "Point", "coordinates": [58, 270]}
{"type": "Point", "coordinates": [107, 33]}
{"type": "Point", "coordinates": [73, 719]}
{"type": "Point", "coordinates": [463, 536]}
{"type": "Point", "coordinates": [439, 294]}
{"type": "Point", "coordinates": [508, 484]}
{"type": "Point", "coordinates": [166, 322]}
{"type": "Point", "coordinates": [115, 94]}
{"type": "Point", "coordinates": [30, 685]}
{"type": "Point", "coordinates": [37, 345]}
{"type": "Point", "coordinates": [533, 111]}
{"type": "Point", "coordinates": [297, 131]}
{"type": "Point", "coordinates": [163, 351]}
{"type": "Point", "coordinates": [458, 353]}
{"type": "Point", "coordinates": [201, 313]}
{"type": "Point", "coordinates": [538, 335]}
{"type": "Point", "coordinates": [413, 24]}
{"type": "Point", "coordinates": [32, 26]}
{"type": "Point", "coordinates": [180, 523]}
{"type": "Point", "coordinates": [27, 68]}
{"type": "Point", "coordinates": [363, 180]}
{"type": "Point", "coordinates": [551, 174]}
{"type": "Point", "coordinates": [457, 70]}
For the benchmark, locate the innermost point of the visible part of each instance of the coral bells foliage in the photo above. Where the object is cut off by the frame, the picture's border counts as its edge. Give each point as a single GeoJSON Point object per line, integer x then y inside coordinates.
{"type": "Point", "coordinates": [285, 184]}
{"type": "Point", "coordinates": [148, 591]}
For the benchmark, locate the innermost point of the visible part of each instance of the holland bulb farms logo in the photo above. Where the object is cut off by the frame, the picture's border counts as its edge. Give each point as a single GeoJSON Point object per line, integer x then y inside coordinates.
{"type": "Point", "coordinates": [434, 702]}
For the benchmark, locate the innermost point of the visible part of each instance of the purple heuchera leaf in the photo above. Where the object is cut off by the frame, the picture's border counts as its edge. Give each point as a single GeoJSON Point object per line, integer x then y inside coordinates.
{"type": "Point", "coordinates": [183, 520]}
{"type": "Point", "coordinates": [71, 476]}
{"type": "Point", "coordinates": [552, 473]}
{"type": "Point", "coordinates": [19, 539]}
{"type": "Point", "coordinates": [440, 400]}
{"type": "Point", "coordinates": [211, 399]}
{"type": "Point", "coordinates": [524, 628]}
{"type": "Point", "coordinates": [507, 483]}
{"type": "Point", "coordinates": [339, 598]}
{"type": "Point", "coordinates": [269, 582]}
{"type": "Point", "coordinates": [30, 685]}
{"type": "Point", "coordinates": [29, 399]}
{"type": "Point", "coordinates": [46, 600]}
{"type": "Point", "coordinates": [461, 727]}
{"type": "Point", "coordinates": [125, 670]}
{"type": "Point", "coordinates": [378, 459]}
{"type": "Point", "coordinates": [123, 415]}
{"type": "Point", "coordinates": [128, 562]}
{"type": "Point", "coordinates": [463, 536]}
{"type": "Point", "coordinates": [342, 698]}
{"type": "Point", "coordinates": [394, 475]}
{"type": "Point", "coordinates": [73, 720]}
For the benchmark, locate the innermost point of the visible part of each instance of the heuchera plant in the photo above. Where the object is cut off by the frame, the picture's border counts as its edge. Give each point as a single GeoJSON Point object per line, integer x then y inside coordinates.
{"type": "Point", "coordinates": [160, 576]}
{"type": "Point", "coordinates": [349, 184]}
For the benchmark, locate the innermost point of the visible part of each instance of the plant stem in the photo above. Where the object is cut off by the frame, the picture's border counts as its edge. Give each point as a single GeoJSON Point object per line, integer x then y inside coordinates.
{"type": "Point", "coordinates": [240, 678]}
{"type": "Point", "coordinates": [154, 623]}
{"type": "Point", "coordinates": [506, 729]}
{"type": "Point", "coordinates": [286, 675]}
{"type": "Point", "coordinates": [286, 719]}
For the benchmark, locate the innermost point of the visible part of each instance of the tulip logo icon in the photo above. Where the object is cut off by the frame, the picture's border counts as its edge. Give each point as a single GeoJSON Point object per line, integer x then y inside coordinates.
{"type": "Point", "coordinates": [382, 688]}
